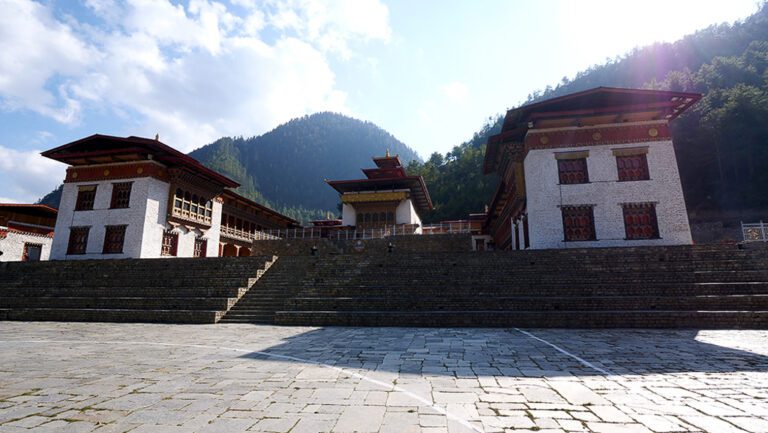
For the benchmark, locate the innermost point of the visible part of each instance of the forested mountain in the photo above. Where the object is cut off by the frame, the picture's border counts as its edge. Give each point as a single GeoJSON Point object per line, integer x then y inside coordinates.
{"type": "Point", "coordinates": [286, 167]}
{"type": "Point", "coordinates": [721, 143]}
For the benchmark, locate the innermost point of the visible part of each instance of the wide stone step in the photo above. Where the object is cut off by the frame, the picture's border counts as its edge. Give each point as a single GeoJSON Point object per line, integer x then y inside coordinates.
{"type": "Point", "coordinates": [501, 290]}
{"type": "Point", "coordinates": [95, 292]}
{"type": "Point", "coordinates": [110, 315]}
{"type": "Point", "coordinates": [132, 303]}
{"type": "Point", "coordinates": [533, 303]}
{"type": "Point", "coordinates": [530, 319]}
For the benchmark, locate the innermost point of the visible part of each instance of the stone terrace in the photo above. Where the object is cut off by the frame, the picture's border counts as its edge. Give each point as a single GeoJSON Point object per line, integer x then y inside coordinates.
{"type": "Point", "coordinates": [703, 287]}
{"type": "Point", "coordinates": [139, 378]}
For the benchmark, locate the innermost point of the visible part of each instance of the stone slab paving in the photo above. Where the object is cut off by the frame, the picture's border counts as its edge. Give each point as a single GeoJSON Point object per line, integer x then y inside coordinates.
{"type": "Point", "coordinates": [141, 378]}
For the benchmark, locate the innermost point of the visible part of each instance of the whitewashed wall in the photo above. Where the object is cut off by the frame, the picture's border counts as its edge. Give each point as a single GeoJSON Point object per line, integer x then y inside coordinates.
{"type": "Point", "coordinates": [13, 246]}
{"type": "Point", "coordinates": [144, 192]}
{"type": "Point", "coordinates": [348, 215]}
{"type": "Point", "coordinates": [406, 214]}
{"type": "Point", "coordinates": [606, 193]}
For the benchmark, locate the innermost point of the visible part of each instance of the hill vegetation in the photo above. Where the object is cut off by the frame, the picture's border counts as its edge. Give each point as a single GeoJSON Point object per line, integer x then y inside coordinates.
{"type": "Point", "coordinates": [286, 168]}
{"type": "Point", "coordinates": [721, 143]}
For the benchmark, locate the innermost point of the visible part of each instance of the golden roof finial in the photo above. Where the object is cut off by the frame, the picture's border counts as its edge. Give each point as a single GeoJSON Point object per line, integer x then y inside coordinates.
{"type": "Point", "coordinates": [387, 152]}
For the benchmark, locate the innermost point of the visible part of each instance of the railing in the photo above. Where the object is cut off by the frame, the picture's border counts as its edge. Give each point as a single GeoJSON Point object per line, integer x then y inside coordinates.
{"type": "Point", "coordinates": [372, 233]}
{"type": "Point", "coordinates": [756, 232]}
{"type": "Point", "coordinates": [237, 233]}
{"type": "Point", "coordinates": [186, 215]}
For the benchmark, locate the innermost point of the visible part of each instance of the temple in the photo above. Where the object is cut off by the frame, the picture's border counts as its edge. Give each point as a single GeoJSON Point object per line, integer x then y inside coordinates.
{"type": "Point", "coordinates": [26, 232]}
{"type": "Point", "coordinates": [387, 198]}
{"type": "Point", "coordinates": [134, 197]}
{"type": "Point", "coordinates": [590, 169]}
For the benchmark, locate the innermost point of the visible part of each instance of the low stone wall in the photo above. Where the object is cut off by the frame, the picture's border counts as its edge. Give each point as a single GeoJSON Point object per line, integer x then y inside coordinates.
{"type": "Point", "coordinates": [410, 244]}
{"type": "Point", "coordinates": [716, 232]}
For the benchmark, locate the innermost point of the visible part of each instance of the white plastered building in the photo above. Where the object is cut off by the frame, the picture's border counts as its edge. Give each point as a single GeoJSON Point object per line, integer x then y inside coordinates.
{"type": "Point", "coordinates": [591, 169]}
{"type": "Point", "coordinates": [135, 198]}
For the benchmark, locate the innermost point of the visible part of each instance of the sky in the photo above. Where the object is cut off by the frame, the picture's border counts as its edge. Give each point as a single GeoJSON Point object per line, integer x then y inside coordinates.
{"type": "Point", "coordinates": [430, 72]}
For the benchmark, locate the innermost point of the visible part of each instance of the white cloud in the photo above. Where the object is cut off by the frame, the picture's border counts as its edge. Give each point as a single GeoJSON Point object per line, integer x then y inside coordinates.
{"type": "Point", "coordinates": [456, 92]}
{"type": "Point", "coordinates": [28, 176]}
{"type": "Point", "coordinates": [333, 24]}
{"type": "Point", "coordinates": [191, 72]}
{"type": "Point", "coordinates": [35, 49]}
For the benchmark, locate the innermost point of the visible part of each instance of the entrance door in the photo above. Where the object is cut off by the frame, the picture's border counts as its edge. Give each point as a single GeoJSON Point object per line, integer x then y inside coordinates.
{"type": "Point", "coordinates": [32, 252]}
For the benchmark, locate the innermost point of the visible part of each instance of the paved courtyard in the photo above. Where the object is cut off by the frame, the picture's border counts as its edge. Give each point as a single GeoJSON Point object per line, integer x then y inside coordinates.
{"type": "Point", "coordinates": [138, 378]}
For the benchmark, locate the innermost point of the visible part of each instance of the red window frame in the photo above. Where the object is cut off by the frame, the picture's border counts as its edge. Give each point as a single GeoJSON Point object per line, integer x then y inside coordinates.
{"type": "Point", "coordinates": [114, 238]}
{"type": "Point", "coordinates": [632, 167]}
{"type": "Point", "coordinates": [121, 195]}
{"type": "Point", "coordinates": [578, 223]}
{"type": "Point", "coordinates": [640, 221]}
{"type": "Point", "coordinates": [201, 247]}
{"type": "Point", "coordinates": [573, 171]}
{"type": "Point", "coordinates": [170, 244]}
{"type": "Point", "coordinates": [27, 247]}
{"type": "Point", "coordinates": [86, 196]}
{"type": "Point", "coordinates": [78, 240]}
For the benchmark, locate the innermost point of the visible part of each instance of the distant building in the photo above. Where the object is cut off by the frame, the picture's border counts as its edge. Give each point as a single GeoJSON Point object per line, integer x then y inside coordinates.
{"type": "Point", "coordinates": [26, 232]}
{"type": "Point", "coordinates": [135, 197]}
{"type": "Point", "coordinates": [387, 198]}
{"type": "Point", "coordinates": [591, 169]}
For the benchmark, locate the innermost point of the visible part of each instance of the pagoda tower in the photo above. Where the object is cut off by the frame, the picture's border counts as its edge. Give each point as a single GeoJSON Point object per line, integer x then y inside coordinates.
{"type": "Point", "coordinates": [387, 197]}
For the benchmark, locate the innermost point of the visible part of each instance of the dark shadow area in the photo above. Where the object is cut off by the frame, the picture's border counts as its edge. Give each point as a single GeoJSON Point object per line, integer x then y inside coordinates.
{"type": "Point", "coordinates": [470, 352]}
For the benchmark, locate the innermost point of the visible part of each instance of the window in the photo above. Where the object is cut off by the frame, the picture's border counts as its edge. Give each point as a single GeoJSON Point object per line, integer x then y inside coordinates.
{"type": "Point", "coordinates": [201, 245]}
{"type": "Point", "coordinates": [573, 170]}
{"type": "Point", "coordinates": [114, 239]}
{"type": "Point", "coordinates": [78, 240]}
{"type": "Point", "coordinates": [121, 195]}
{"type": "Point", "coordinates": [32, 252]}
{"type": "Point", "coordinates": [632, 167]}
{"type": "Point", "coordinates": [578, 223]}
{"type": "Point", "coordinates": [640, 221]}
{"type": "Point", "coordinates": [170, 243]}
{"type": "Point", "coordinates": [86, 195]}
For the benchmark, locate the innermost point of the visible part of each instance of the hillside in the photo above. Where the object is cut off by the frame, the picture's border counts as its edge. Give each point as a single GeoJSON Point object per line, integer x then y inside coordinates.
{"type": "Point", "coordinates": [721, 143]}
{"type": "Point", "coordinates": [286, 167]}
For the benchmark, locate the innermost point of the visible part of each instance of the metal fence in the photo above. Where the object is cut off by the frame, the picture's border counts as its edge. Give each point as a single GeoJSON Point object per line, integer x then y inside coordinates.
{"type": "Point", "coordinates": [756, 232]}
{"type": "Point", "coordinates": [377, 233]}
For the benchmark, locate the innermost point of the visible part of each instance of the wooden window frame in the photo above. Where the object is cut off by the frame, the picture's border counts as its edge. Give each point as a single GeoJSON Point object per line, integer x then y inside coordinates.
{"type": "Point", "coordinates": [114, 239]}
{"type": "Point", "coordinates": [201, 247]}
{"type": "Point", "coordinates": [567, 173]}
{"type": "Point", "coordinates": [121, 195]}
{"type": "Point", "coordinates": [86, 197]}
{"type": "Point", "coordinates": [578, 211]}
{"type": "Point", "coordinates": [170, 244]}
{"type": "Point", "coordinates": [631, 174]}
{"type": "Point", "coordinates": [77, 246]}
{"type": "Point", "coordinates": [644, 230]}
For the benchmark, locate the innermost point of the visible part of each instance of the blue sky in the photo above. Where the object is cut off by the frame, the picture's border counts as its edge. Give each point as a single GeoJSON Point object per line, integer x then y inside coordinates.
{"type": "Point", "coordinates": [430, 72]}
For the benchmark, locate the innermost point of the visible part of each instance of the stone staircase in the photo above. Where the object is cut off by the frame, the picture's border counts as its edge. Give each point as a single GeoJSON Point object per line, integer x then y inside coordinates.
{"type": "Point", "coordinates": [182, 290]}
{"type": "Point", "coordinates": [271, 293]}
{"type": "Point", "coordinates": [702, 287]}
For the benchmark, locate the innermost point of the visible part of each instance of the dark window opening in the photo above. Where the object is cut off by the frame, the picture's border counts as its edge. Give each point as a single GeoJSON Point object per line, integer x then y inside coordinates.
{"type": "Point", "coordinates": [78, 240]}
{"type": "Point", "coordinates": [578, 223]}
{"type": "Point", "coordinates": [573, 171]}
